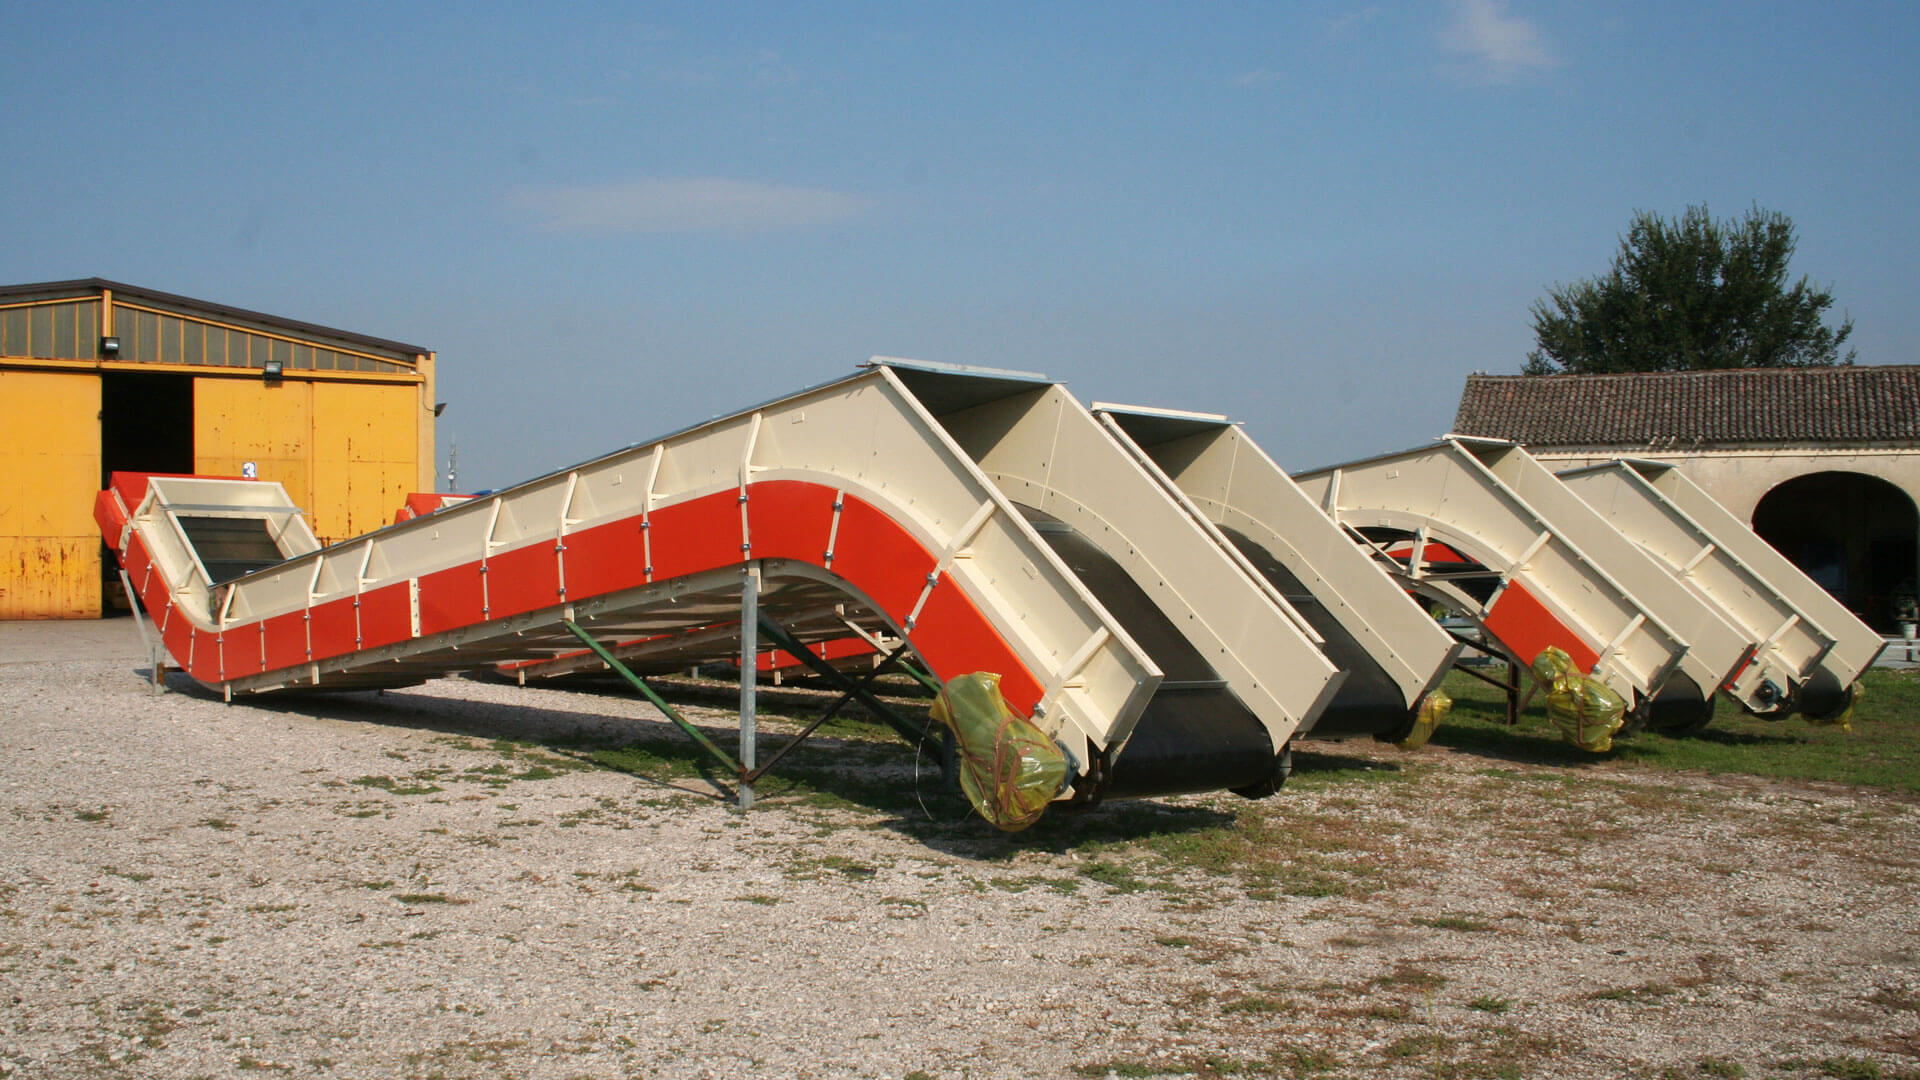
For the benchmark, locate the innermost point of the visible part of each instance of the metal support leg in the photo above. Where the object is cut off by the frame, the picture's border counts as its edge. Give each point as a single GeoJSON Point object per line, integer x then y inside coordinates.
{"type": "Point", "coordinates": [839, 681]}
{"type": "Point", "coordinates": [156, 649]}
{"type": "Point", "coordinates": [749, 678]}
{"type": "Point", "coordinates": [659, 702]}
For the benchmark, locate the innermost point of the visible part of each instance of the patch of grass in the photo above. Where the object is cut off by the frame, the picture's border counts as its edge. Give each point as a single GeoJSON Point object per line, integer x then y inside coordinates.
{"type": "Point", "coordinates": [398, 787]}
{"type": "Point", "coordinates": [816, 867]}
{"type": "Point", "coordinates": [1645, 992]}
{"type": "Point", "coordinates": [429, 898]}
{"type": "Point", "coordinates": [91, 815]}
{"type": "Point", "coordinates": [1896, 999]}
{"type": "Point", "coordinates": [1409, 977]}
{"type": "Point", "coordinates": [1713, 1066]}
{"type": "Point", "coordinates": [1131, 1069]}
{"type": "Point", "coordinates": [1424, 1044]}
{"type": "Point", "coordinates": [1114, 876]}
{"type": "Point", "coordinates": [761, 899]}
{"type": "Point", "coordinates": [1882, 750]}
{"type": "Point", "coordinates": [219, 824]}
{"type": "Point", "coordinates": [1851, 1068]}
{"type": "Point", "coordinates": [129, 874]}
{"type": "Point", "coordinates": [1456, 922]}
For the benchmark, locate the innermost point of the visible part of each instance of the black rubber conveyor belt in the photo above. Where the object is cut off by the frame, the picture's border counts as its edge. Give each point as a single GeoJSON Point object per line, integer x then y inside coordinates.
{"type": "Point", "coordinates": [1195, 734]}
{"type": "Point", "coordinates": [1369, 702]}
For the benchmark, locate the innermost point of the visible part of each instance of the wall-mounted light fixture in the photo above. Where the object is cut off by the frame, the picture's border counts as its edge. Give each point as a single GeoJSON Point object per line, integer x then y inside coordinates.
{"type": "Point", "coordinates": [271, 371]}
{"type": "Point", "coordinates": [109, 347]}
{"type": "Point", "coordinates": [439, 407]}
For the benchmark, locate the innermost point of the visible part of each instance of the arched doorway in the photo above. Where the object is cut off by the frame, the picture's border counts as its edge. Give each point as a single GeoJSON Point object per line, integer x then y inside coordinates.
{"type": "Point", "coordinates": [1852, 533]}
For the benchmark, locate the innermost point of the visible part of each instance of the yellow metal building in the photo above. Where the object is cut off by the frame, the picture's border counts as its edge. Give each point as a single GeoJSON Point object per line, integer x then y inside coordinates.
{"type": "Point", "coordinates": [98, 377]}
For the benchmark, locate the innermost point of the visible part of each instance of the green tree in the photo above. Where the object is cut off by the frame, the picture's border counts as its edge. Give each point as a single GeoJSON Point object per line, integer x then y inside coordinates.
{"type": "Point", "coordinates": [1688, 295]}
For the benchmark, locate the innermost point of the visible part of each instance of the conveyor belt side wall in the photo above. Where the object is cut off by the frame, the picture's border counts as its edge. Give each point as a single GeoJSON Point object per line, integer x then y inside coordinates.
{"type": "Point", "coordinates": [849, 485]}
{"type": "Point", "coordinates": [1232, 482]}
{"type": "Point", "coordinates": [1045, 450]}
{"type": "Point", "coordinates": [1550, 591]}
{"type": "Point", "coordinates": [1799, 626]}
{"type": "Point", "coordinates": [1717, 649]}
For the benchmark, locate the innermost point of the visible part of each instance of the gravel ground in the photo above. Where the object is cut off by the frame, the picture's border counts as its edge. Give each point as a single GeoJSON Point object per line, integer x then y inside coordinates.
{"type": "Point", "coordinates": [424, 883]}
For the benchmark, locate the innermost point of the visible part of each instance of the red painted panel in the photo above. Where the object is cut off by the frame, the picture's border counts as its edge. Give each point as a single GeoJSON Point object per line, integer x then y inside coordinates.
{"type": "Point", "coordinates": [286, 640]}
{"type": "Point", "coordinates": [880, 558]}
{"type": "Point", "coordinates": [386, 615]}
{"type": "Point", "coordinates": [449, 599]}
{"type": "Point", "coordinates": [523, 579]}
{"type": "Point", "coordinates": [333, 628]}
{"type": "Point", "coordinates": [1434, 552]}
{"type": "Point", "coordinates": [178, 636]}
{"type": "Point", "coordinates": [700, 534]}
{"type": "Point", "coordinates": [955, 639]}
{"type": "Point", "coordinates": [242, 651]}
{"type": "Point", "coordinates": [1524, 625]}
{"type": "Point", "coordinates": [107, 515]}
{"type": "Point", "coordinates": [837, 649]}
{"type": "Point", "coordinates": [789, 519]}
{"type": "Point", "coordinates": [205, 651]}
{"type": "Point", "coordinates": [604, 559]}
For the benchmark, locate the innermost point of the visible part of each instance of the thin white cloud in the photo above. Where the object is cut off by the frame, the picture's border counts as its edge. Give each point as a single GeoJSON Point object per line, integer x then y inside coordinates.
{"type": "Point", "coordinates": [1260, 77]}
{"type": "Point", "coordinates": [1342, 25]}
{"type": "Point", "coordinates": [1492, 45]}
{"type": "Point", "coordinates": [690, 204]}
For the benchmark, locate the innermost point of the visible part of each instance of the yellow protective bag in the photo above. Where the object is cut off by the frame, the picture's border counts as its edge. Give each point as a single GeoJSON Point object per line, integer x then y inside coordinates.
{"type": "Point", "coordinates": [1586, 711]}
{"type": "Point", "coordinates": [1431, 714]}
{"type": "Point", "coordinates": [1009, 769]}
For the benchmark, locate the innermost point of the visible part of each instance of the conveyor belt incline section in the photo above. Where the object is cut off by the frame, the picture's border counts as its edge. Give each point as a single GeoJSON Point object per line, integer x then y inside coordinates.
{"type": "Point", "coordinates": [1247, 659]}
{"type": "Point", "coordinates": [843, 500]}
{"type": "Point", "coordinates": [1393, 650]}
{"type": "Point", "coordinates": [1493, 533]}
{"type": "Point", "coordinates": [1808, 648]}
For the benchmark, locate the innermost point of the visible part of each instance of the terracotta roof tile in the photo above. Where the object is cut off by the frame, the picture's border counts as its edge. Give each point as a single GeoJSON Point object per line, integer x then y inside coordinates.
{"type": "Point", "coordinates": [1745, 405]}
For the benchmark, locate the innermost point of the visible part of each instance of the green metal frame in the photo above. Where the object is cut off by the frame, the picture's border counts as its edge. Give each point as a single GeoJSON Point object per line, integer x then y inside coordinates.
{"type": "Point", "coordinates": [659, 702]}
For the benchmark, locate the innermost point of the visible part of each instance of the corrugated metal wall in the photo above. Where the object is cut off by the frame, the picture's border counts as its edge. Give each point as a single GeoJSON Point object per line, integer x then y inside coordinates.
{"type": "Point", "coordinates": [49, 465]}
{"type": "Point", "coordinates": [348, 432]}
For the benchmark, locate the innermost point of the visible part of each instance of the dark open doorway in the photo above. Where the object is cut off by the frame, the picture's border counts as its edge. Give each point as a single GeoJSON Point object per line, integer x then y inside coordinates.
{"type": "Point", "coordinates": [146, 425]}
{"type": "Point", "coordinates": [1852, 533]}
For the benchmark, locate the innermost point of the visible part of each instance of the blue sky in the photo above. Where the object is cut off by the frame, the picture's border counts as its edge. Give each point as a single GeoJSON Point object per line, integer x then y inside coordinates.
{"type": "Point", "coordinates": [612, 221]}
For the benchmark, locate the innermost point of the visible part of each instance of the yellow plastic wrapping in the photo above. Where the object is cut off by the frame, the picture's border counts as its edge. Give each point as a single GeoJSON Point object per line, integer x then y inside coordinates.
{"type": "Point", "coordinates": [1586, 711]}
{"type": "Point", "coordinates": [1009, 769]}
{"type": "Point", "coordinates": [1431, 714]}
{"type": "Point", "coordinates": [1844, 718]}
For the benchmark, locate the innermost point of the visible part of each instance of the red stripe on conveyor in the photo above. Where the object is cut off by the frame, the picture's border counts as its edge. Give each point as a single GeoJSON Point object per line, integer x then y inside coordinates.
{"type": "Point", "coordinates": [787, 519]}
{"type": "Point", "coordinates": [1525, 626]}
{"type": "Point", "coordinates": [835, 649]}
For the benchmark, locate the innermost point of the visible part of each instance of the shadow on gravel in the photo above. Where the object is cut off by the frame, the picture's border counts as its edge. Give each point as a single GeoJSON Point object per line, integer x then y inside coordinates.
{"type": "Point", "coordinates": [852, 763]}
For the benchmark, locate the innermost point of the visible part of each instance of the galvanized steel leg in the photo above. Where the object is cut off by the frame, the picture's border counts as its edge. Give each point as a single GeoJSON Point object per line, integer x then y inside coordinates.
{"type": "Point", "coordinates": [156, 649]}
{"type": "Point", "coordinates": [749, 677]}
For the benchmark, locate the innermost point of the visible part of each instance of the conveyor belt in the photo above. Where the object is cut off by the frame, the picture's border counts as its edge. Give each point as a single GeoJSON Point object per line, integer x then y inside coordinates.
{"type": "Point", "coordinates": [1195, 734]}
{"type": "Point", "coordinates": [1369, 702]}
